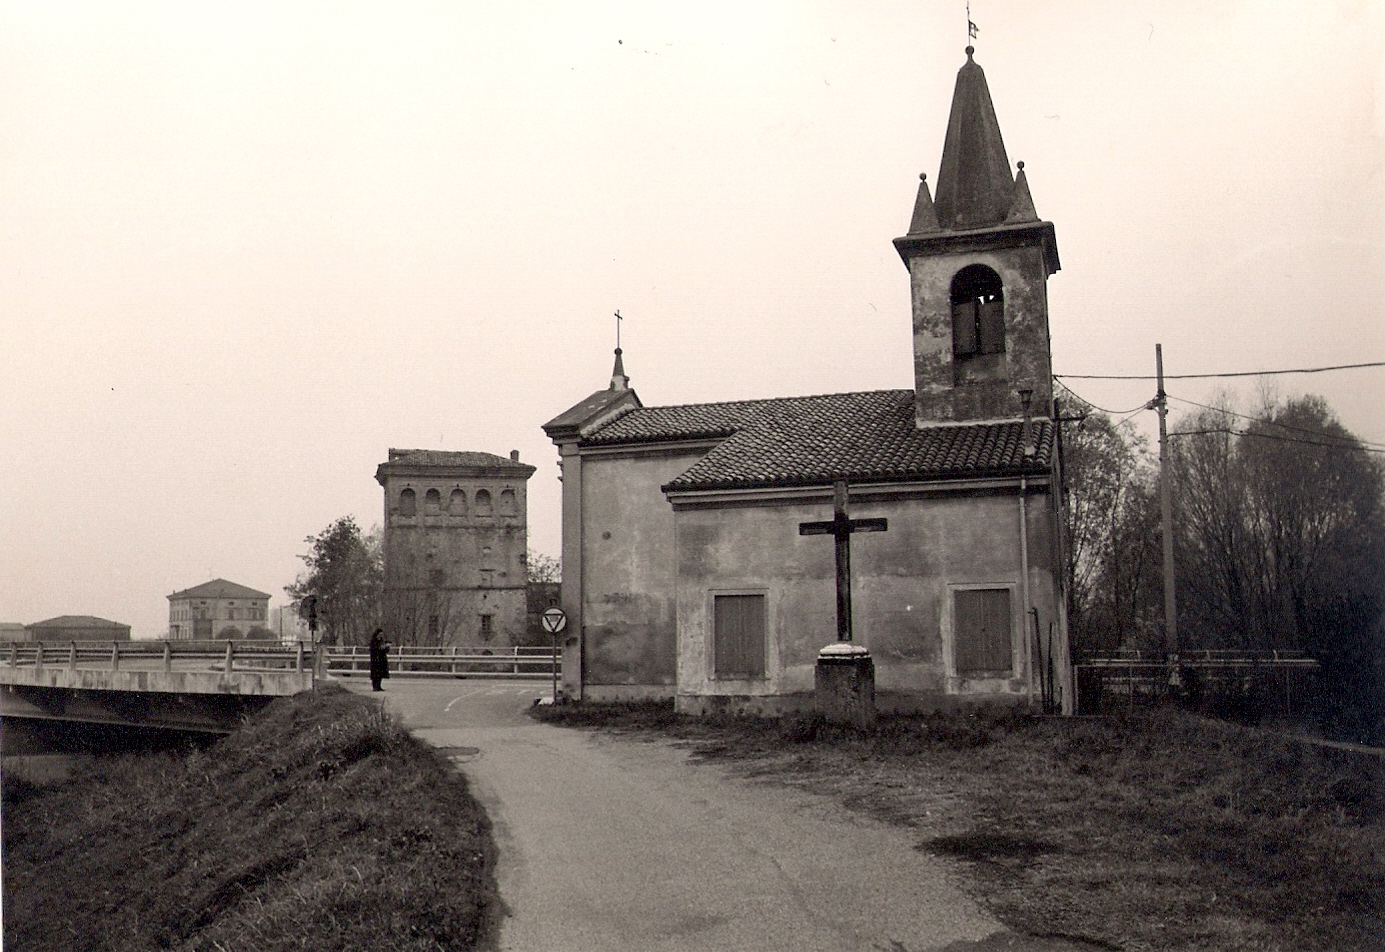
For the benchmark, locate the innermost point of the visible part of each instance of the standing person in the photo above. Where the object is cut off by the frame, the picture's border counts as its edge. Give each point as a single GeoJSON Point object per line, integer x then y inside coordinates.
{"type": "Point", "coordinates": [379, 659]}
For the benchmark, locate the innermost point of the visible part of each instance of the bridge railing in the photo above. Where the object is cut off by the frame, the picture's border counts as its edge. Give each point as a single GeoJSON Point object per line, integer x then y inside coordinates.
{"type": "Point", "coordinates": [450, 661]}
{"type": "Point", "coordinates": [232, 656]}
{"type": "Point", "coordinates": [224, 656]}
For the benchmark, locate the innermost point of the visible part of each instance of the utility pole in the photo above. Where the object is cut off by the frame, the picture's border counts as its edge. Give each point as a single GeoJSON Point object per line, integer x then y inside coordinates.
{"type": "Point", "coordinates": [1161, 402]}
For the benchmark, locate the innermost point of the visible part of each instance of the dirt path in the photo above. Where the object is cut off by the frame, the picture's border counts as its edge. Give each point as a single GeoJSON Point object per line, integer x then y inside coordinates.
{"type": "Point", "coordinates": [612, 844]}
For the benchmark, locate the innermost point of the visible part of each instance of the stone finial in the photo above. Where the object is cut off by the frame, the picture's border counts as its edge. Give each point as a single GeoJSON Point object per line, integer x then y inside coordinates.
{"type": "Point", "coordinates": [1022, 206]}
{"type": "Point", "coordinates": [925, 218]}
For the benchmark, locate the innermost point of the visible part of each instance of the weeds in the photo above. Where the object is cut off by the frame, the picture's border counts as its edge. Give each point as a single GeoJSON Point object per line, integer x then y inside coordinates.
{"type": "Point", "coordinates": [320, 824]}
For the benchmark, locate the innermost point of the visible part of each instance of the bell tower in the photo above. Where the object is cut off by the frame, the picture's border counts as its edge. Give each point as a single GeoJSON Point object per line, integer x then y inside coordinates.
{"type": "Point", "coordinates": [979, 260]}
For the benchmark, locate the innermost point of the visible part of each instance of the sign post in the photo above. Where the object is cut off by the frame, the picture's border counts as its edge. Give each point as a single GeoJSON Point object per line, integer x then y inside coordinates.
{"type": "Point", "coordinates": [554, 620]}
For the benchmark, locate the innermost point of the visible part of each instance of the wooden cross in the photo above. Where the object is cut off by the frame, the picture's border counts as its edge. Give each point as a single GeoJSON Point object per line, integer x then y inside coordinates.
{"type": "Point", "coordinates": [842, 527]}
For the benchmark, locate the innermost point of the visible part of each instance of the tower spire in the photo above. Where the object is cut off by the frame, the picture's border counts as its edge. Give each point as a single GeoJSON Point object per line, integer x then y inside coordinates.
{"type": "Point", "coordinates": [618, 379]}
{"type": "Point", "coordinates": [975, 186]}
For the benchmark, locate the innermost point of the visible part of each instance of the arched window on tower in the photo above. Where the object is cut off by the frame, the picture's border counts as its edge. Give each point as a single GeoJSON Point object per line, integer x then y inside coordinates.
{"type": "Point", "coordinates": [432, 502]}
{"type": "Point", "coordinates": [483, 502]}
{"type": "Point", "coordinates": [456, 503]}
{"type": "Point", "coordinates": [407, 504]}
{"type": "Point", "coordinates": [978, 312]}
{"type": "Point", "coordinates": [507, 502]}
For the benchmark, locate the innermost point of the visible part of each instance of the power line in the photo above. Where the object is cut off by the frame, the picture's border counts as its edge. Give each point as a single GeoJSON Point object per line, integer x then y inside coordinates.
{"type": "Point", "coordinates": [1245, 373]}
{"type": "Point", "coordinates": [1143, 406]}
{"type": "Point", "coordinates": [1350, 440]}
{"type": "Point", "coordinates": [1281, 439]}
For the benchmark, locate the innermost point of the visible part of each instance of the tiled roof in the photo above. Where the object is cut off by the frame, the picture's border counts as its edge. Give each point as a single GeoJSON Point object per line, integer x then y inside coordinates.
{"type": "Point", "coordinates": [77, 621]}
{"type": "Point", "coordinates": [803, 441]}
{"type": "Point", "coordinates": [450, 458]}
{"type": "Point", "coordinates": [219, 588]}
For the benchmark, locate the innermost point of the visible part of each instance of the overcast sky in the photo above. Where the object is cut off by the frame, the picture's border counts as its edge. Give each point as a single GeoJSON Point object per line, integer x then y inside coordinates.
{"type": "Point", "coordinates": [247, 248]}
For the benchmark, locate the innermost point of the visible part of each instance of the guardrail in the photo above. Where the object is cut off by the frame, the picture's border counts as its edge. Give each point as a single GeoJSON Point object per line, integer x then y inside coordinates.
{"type": "Point", "coordinates": [1204, 658]}
{"type": "Point", "coordinates": [1275, 682]}
{"type": "Point", "coordinates": [233, 656]}
{"type": "Point", "coordinates": [225, 656]}
{"type": "Point", "coordinates": [450, 661]}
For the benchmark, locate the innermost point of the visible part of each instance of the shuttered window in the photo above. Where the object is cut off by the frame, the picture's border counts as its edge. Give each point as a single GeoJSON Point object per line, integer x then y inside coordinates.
{"type": "Point", "coordinates": [964, 328]}
{"type": "Point", "coordinates": [982, 632]}
{"type": "Point", "coordinates": [978, 312]}
{"type": "Point", "coordinates": [990, 326]}
{"type": "Point", "coordinates": [738, 649]}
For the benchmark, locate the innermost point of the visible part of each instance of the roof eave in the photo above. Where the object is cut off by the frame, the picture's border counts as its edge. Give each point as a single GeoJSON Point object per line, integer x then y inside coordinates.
{"type": "Point", "coordinates": [983, 239]}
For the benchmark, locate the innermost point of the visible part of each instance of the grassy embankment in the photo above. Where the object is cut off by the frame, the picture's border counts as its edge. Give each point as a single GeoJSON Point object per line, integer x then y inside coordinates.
{"type": "Point", "coordinates": [320, 824]}
{"type": "Point", "coordinates": [1163, 832]}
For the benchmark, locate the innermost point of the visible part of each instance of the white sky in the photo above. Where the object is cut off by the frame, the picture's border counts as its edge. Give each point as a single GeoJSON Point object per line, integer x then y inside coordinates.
{"type": "Point", "coordinates": [246, 248]}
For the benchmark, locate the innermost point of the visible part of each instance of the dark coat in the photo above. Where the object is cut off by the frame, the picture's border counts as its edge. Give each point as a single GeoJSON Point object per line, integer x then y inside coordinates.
{"type": "Point", "coordinates": [379, 659]}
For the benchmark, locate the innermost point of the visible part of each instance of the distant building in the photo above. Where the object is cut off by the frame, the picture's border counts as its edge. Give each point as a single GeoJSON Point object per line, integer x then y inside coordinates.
{"type": "Point", "coordinates": [13, 631]}
{"type": "Point", "coordinates": [216, 609]}
{"type": "Point", "coordinates": [287, 625]}
{"type": "Point", "coordinates": [77, 628]}
{"type": "Point", "coordinates": [455, 536]}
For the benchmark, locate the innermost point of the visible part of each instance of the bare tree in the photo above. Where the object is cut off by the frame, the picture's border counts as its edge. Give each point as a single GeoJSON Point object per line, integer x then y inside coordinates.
{"type": "Point", "coordinates": [1112, 515]}
{"type": "Point", "coordinates": [1280, 530]}
{"type": "Point", "coordinates": [542, 568]}
{"type": "Point", "coordinates": [422, 616]}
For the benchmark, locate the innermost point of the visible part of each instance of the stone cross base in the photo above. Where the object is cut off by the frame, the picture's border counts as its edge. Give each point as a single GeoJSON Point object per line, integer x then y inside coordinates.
{"type": "Point", "coordinates": [844, 685]}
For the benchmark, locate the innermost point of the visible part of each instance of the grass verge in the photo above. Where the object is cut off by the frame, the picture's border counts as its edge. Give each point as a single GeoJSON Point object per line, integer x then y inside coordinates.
{"type": "Point", "coordinates": [1164, 832]}
{"type": "Point", "coordinates": [320, 824]}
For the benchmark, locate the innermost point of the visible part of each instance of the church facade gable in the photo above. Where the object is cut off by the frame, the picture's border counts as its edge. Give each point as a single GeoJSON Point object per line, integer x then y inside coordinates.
{"type": "Point", "coordinates": [627, 570]}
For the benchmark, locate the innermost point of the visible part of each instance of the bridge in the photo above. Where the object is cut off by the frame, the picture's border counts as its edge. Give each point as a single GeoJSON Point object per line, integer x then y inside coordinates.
{"type": "Point", "coordinates": [48, 690]}
{"type": "Point", "coordinates": [197, 687]}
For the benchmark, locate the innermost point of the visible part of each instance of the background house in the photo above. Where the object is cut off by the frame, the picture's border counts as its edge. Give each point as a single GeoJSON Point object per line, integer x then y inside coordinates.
{"type": "Point", "coordinates": [216, 609]}
{"type": "Point", "coordinates": [77, 628]}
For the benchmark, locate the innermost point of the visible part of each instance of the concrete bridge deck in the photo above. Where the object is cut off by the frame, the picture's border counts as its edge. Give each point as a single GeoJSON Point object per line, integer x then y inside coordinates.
{"type": "Point", "coordinates": [194, 687]}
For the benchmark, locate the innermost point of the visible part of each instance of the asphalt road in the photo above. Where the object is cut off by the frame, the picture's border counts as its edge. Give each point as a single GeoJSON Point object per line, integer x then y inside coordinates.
{"type": "Point", "coordinates": [610, 844]}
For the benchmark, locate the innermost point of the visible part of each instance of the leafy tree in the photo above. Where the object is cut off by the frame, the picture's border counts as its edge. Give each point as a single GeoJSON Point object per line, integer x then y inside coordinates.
{"type": "Point", "coordinates": [542, 568]}
{"type": "Point", "coordinates": [344, 572]}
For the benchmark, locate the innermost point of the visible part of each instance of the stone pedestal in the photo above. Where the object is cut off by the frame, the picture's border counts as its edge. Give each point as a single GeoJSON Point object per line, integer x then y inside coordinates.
{"type": "Point", "coordinates": [844, 685]}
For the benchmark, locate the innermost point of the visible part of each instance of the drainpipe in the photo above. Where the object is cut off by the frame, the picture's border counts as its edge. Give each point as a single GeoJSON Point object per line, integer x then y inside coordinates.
{"type": "Point", "coordinates": [1026, 396]}
{"type": "Point", "coordinates": [1024, 585]}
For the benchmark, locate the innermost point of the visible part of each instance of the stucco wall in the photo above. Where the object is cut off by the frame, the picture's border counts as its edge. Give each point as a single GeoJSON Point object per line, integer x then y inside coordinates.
{"type": "Point", "coordinates": [628, 581]}
{"type": "Point", "coordinates": [943, 392]}
{"type": "Point", "coordinates": [901, 592]}
{"type": "Point", "coordinates": [459, 562]}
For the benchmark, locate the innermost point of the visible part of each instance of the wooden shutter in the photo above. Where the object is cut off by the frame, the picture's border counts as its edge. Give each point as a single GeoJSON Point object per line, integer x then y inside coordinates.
{"type": "Point", "coordinates": [991, 327]}
{"type": "Point", "coordinates": [964, 329]}
{"type": "Point", "coordinates": [738, 648]}
{"type": "Point", "coordinates": [981, 633]}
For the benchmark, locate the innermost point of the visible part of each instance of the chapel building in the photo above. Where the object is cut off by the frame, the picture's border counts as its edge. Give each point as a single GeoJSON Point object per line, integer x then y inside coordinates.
{"type": "Point", "coordinates": [684, 571]}
{"type": "Point", "coordinates": [455, 536]}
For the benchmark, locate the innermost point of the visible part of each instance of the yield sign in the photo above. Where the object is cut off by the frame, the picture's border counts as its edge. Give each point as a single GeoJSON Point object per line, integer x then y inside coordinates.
{"type": "Point", "coordinates": [554, 620]}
